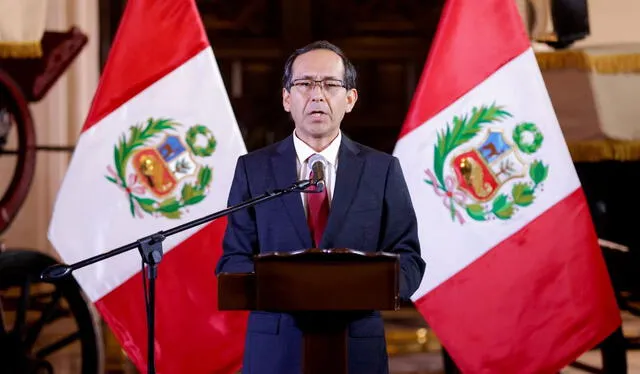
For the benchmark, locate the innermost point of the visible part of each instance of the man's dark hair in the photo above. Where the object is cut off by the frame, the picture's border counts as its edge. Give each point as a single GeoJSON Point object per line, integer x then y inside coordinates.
{"type": "Point", "coordinates": [350, 74]}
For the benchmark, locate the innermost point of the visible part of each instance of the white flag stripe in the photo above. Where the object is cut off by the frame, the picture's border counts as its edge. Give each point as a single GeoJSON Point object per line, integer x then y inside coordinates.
{"type": "Point", "coordinates": [448, 246]}
{"type": "Point", "coordinates": [76, 228]}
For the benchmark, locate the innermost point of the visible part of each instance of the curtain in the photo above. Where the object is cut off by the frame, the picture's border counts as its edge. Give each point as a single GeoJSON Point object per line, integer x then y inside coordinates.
{"type": "Point", "coordinates": [58, 118]}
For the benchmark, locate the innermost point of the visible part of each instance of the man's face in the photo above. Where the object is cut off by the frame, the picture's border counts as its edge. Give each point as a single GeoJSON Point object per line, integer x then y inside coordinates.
{"type": "Point", "coordinates": [318, 108]}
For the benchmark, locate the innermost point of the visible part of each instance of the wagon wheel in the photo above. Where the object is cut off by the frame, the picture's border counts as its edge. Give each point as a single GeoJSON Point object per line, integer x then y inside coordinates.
{"type": "Point", "coordinates": [16, 132]}
{"type": "Point", "coordinates": [45, 327]}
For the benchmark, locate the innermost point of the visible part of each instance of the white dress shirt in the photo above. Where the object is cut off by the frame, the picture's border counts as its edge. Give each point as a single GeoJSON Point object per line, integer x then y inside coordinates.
{"type": "Point", "coordinates": [303, 151]}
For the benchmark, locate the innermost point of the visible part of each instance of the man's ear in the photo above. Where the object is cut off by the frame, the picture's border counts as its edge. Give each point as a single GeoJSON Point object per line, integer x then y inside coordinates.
{"type": "Point", "coordinates": [352, 97]}
{"type": "Point", "coordinates": [286, 100]}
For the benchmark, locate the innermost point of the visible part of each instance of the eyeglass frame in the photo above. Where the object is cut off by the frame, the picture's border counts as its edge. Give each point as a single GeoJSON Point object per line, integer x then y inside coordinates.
{"type": "Point", "coordinates": [322, 83]}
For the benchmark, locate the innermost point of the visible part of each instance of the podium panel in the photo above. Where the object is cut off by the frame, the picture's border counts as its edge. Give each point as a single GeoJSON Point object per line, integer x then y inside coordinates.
{"type": "Point", "coordinates": [318, 283]}
{"type": "Point", "coordinates": [331, 280]}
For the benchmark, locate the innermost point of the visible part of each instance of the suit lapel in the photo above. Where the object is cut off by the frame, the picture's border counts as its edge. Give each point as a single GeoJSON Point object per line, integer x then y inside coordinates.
{"type": "Point", "coordinates": [284, 168]}
{"type": "Point", "coordinates": [347, 179]}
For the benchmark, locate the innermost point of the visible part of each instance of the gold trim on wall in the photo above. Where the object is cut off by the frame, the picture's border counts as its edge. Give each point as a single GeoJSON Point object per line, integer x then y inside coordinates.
{"type": "Point", "coordinates": [605, 150]}
{"type": "Point", "coordinates": [20, 49]}
{"type": "Point", "coordinates": [583, 60]}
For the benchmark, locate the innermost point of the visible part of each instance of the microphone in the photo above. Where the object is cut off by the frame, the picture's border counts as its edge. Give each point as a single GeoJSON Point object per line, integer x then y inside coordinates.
{"type": "Point", "coordinates": [317, 165]}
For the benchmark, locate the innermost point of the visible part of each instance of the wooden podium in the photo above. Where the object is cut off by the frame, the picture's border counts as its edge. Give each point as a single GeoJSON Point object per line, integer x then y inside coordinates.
{"type": "Point", "coordinates": [320, 287]}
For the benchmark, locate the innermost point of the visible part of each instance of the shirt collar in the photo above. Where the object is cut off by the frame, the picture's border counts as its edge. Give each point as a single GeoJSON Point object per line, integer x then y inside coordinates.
{"type": "Point", "coordinates": [303, 151]}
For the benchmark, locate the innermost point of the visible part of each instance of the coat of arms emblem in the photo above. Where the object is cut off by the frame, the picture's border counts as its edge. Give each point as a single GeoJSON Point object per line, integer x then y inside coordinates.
{"type": "Point", "coordinates": [161, 172]}
{"type": "Point", "coordinates": [474, 162]}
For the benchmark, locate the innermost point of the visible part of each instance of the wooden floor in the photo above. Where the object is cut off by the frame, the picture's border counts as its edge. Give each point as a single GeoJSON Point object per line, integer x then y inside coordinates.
{"type": "Point", "coordinates": [429, 361]}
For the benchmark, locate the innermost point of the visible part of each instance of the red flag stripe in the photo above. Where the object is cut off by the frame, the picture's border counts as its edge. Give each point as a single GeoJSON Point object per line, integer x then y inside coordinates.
{"type": "Point", "coordinates": [192, 336]}
{"type": "Point", "coordinates": [154, 38]}
{"type": "Point", "coordinates": [448, 73]}
{"type": "Point", "coordinates": [532, 297]}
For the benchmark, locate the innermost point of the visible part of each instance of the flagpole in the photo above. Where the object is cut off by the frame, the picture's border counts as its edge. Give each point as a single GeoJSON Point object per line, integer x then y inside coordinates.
{"type": "Point", "coordinates": [150, 248]}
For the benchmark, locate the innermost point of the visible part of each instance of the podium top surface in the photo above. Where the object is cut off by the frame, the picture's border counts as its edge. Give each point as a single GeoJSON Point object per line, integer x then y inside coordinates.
{"type": "Point", "coordinates": [333, 254]}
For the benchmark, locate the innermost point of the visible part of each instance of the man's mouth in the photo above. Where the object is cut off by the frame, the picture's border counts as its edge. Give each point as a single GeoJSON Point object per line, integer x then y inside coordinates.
{"type": "Point", "coordinates": [317, 113]}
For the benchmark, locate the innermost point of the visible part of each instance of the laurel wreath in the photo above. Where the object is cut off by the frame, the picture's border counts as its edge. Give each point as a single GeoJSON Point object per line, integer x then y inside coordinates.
{"type": "Point", "coordinates": [139, 136]}
{"type": "Point", "coordinates": [192, 133]}
{"type": "Point", "coordinates": [524, 146]}
{"type": "Point", "coordinates": [464, 129]}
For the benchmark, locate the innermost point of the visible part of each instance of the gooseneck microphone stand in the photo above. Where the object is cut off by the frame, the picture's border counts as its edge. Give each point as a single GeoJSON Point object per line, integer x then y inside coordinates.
{"type": "Point", "coordinates": [150, 248]}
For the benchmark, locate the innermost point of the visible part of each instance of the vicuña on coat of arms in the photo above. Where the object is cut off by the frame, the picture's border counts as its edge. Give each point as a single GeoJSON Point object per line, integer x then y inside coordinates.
{"type": "Point", "coordinates": [160, 171]}
{"type": "Point", "coordinates": [473, 162]}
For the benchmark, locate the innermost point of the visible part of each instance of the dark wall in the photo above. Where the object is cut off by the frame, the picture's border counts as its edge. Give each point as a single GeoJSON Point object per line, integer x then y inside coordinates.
{"type": "Point", "coordinates": [387, 40]}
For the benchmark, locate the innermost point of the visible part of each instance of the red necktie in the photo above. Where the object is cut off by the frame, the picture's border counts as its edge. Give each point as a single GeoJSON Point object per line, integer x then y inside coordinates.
{"type": "Point", "coordinates": [317, 212]}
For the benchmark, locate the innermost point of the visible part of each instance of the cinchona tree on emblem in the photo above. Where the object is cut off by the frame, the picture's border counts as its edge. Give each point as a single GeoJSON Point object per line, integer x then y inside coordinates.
{"type": "Point", "coordinates": [473, 162]}
{"type": "Point", "coordinates": [159, 171]}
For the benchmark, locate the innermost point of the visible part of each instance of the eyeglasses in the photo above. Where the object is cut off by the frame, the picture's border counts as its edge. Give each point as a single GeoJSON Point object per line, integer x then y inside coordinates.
{"type": "Point", "coordinates": [330, 86]}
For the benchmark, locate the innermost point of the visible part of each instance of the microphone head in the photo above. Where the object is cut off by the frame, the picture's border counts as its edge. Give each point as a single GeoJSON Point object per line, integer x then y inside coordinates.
{"type": "Point", "coordinates": [318, 164]}
{"type": "Point", "coordinates": [315, 159]}
{"type": "Point", "coordinates": [55, 272]}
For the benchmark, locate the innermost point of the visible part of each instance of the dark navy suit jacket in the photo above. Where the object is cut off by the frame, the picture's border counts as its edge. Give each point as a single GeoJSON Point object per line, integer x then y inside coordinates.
{"type": "Point", "coordinates": [371, 210]}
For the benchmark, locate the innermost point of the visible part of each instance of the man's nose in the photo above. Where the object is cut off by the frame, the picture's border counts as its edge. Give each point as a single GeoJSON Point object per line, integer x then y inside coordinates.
{"type": "Point", "coordinates": [317, 93]}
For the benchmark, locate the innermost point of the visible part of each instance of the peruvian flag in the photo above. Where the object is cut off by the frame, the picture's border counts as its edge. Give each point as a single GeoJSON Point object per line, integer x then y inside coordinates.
{"type": "Point", "coordinates": [515, 280]}
{"type": "Point", "coordinates": [158, 149]}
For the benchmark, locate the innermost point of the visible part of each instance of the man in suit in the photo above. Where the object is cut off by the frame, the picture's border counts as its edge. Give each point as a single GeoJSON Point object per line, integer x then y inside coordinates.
{"type": "Point", "coordinates": [365, 206]}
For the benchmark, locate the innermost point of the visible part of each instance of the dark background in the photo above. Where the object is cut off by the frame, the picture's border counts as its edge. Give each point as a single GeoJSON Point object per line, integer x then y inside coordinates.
{"type": "Point", "coordinates": [387, 41]}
